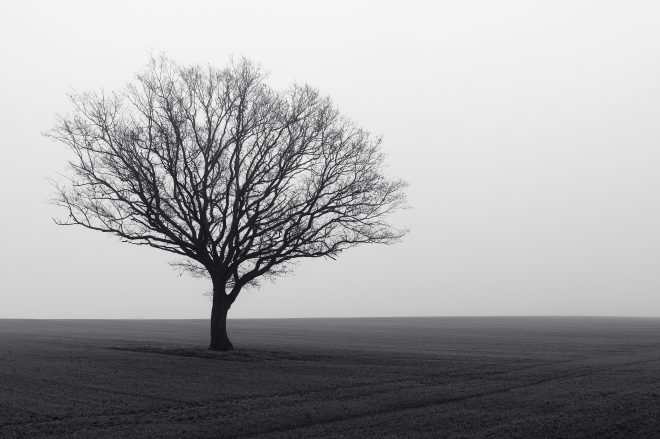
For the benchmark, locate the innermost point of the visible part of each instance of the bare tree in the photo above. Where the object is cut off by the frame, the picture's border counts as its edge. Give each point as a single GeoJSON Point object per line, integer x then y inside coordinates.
{"type": "Point", "coordinates": [216, 167]}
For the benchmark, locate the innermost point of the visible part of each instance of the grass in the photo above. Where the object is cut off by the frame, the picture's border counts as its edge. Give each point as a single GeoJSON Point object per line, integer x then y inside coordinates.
{"type": "Point", "coordinates": [407, 377]}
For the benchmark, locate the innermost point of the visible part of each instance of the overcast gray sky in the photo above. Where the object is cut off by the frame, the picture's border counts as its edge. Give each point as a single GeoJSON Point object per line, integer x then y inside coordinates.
{"type": "Point", "coordinates": [529, 132]}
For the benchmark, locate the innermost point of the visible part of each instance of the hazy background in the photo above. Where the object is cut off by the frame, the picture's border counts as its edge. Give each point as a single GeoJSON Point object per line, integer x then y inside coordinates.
{"type": "Point", "coordinates": [529, 132]}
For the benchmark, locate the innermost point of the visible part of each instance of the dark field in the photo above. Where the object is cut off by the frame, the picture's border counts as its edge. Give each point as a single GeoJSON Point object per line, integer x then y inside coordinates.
{"type": "Point", "coordinates": [412, 377]}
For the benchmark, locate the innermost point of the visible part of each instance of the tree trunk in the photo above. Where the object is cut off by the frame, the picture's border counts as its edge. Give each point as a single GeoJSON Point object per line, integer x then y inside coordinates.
{"type": "Point", "coordinates": [219, 339]}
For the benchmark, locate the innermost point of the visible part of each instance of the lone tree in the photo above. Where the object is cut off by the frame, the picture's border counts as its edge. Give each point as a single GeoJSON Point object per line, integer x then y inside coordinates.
{"type": "Point", "coordinates": [215, 166]}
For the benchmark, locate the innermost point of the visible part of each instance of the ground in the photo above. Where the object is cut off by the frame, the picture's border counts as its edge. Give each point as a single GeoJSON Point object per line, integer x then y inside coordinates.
{"type": "Point", "coordinates": [408, 377]}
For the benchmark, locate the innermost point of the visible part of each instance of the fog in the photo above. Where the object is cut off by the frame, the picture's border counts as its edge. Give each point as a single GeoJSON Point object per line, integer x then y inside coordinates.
{"type": "Point", "coordinates": [528, 132]}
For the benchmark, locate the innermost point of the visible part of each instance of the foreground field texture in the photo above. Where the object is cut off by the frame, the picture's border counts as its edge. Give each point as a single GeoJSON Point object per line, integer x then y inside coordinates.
{"type": "Point", "coordinates": [408, 377]}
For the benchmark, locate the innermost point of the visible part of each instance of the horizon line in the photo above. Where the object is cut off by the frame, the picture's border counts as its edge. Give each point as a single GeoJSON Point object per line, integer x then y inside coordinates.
{"type": "Point", "coordinates": [352, 317]}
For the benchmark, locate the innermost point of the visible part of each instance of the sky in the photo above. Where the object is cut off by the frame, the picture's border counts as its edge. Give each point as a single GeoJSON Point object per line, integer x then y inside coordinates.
{"type": "Point", "coordinates": [528, 131]}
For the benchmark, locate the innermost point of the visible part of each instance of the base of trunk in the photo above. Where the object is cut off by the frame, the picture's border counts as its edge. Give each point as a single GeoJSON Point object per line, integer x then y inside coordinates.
{"type": "Point", "coordinates": [221, 346]}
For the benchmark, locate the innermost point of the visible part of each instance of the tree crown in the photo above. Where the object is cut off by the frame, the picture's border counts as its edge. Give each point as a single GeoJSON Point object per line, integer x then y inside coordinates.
{"type": "Point", "coordinates": [214, 165]}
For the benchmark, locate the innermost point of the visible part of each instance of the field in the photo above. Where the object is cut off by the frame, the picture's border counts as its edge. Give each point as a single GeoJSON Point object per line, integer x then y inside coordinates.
{"type": "Point", "coordinates": [405, 377]}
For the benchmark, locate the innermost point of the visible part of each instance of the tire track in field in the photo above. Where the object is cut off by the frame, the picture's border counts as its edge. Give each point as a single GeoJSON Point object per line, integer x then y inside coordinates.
{"type": "Point", "coordinates": [446, 400]}
{"type": "Point", "coordinates": [193, 407]}
{"type": "Point", "coordinates": [417, 381]}
{"type": "Point", "coordinates": [262, 400]}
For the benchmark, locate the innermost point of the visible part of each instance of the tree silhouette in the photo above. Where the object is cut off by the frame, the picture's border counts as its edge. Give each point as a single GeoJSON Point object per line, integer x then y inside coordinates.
{"type": "Point", "coordinates": [215, 166]}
